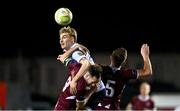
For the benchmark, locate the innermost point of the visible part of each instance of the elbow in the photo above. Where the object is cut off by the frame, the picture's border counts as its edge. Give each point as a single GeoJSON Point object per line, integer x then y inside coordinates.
{"type": "Point", "coordinates": [147, 72]}
{"type": "Point", "coordinates": [87, 64]}
{"type": "Point", "coordinates": [150, 71]}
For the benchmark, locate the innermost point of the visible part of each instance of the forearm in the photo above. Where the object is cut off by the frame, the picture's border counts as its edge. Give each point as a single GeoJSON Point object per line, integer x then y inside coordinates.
{"type": "Point", "coordinates": [84, 68]}
{"type": "Point", "coordinates": [147, 68]}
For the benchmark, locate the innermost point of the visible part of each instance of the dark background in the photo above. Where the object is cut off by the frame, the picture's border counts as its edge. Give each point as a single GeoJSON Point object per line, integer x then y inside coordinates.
{"type": "Point", "coordinates": [29, 26]}
{"type": "Point", "coordinates": [28, 32]}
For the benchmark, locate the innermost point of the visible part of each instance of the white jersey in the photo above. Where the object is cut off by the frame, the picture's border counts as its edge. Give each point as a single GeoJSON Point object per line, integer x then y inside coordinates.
{"type": "Point", "coordinates": [78, 55]}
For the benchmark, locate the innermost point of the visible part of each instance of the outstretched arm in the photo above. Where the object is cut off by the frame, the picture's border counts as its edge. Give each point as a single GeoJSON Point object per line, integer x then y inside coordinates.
{"type": "Point", "coordinates": [147, 68]}
{"type": "Point", "coordinates": [63, 57]}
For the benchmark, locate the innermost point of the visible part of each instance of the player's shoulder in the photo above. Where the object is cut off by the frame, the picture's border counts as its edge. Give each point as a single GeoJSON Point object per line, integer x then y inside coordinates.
{"type": "Point", "coordinates": [78, 52]}
{"type": "Point", "coordinates": [125, 69]}
{"type": "Point", "coordinates": [78, 55]}
{"type": "Point", "coordinates": [151, 99]}
{"type": "Point", "coordinates": [107, 70]}
{"type": "Point", "coordinates": [105, 67]}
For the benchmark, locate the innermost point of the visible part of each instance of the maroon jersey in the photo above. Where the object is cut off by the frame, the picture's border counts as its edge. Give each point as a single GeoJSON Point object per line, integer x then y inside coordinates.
{"type": "Point", "coordinates": [142, 104]}
{"type": "Point", "coordinates": [66, 100]}
{"type": "Point", "coordinates": [115, 81]}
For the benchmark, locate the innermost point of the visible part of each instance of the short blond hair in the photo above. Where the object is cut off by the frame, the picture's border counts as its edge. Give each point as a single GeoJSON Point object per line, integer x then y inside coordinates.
{"type": "Point", "coordinates": [70, 31]}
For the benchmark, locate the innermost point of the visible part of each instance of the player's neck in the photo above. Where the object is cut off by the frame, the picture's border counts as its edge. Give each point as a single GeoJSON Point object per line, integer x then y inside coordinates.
{"type": "Point", "coordinates": [113, 66]}
{"type": "Point", "coordinates": [71, 46]}
{"type": "Point", "coordinates": [143, 97]}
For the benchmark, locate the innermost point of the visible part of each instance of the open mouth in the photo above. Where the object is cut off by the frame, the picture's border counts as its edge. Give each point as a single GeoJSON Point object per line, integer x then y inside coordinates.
{"type": "Point", "coordinates": [62, 44]}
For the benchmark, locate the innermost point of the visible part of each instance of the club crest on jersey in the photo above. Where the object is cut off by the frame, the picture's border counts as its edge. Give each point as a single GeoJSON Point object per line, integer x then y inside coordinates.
{"type": "Point", "coordinates": [80, 53]}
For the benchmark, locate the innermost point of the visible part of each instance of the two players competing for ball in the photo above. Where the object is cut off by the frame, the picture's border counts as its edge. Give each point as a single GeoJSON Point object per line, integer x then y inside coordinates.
{"type": "Point", "coordinates": [114, 76]}
{"type": "Point", "coordinates": [81, 65]}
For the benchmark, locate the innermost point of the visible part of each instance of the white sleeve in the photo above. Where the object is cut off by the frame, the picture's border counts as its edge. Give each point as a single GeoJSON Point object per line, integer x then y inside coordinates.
{"type": "Point", "coordinates": [78, 55]}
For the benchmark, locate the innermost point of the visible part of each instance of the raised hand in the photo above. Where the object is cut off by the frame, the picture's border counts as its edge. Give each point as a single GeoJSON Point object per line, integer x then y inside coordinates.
{"type": "Point", "coordinates": [145, 51]}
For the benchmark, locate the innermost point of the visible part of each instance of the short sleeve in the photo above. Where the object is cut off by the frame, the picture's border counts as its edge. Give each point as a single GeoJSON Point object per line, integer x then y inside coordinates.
{"type": "Point", "coordinates": [130, 73]}
{"type": "Point", "coordinates": [78, 55]}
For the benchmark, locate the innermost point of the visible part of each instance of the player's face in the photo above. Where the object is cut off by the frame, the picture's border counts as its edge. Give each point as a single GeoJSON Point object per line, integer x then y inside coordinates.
{"type": "Point", "coordinates": [91, 80]}
{"type": "Point", "coordinates": [145, 89]}
{"type": "Point", "coordinates": [66, 41]}
{"type": "Point", "coordinates": [94, 80]}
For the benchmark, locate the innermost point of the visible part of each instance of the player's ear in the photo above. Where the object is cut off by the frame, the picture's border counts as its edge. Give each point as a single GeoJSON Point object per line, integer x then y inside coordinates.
{"type": "Point", "coordinates": [72, 38]}
{"type": "Point", "coordinates": [111, 57]}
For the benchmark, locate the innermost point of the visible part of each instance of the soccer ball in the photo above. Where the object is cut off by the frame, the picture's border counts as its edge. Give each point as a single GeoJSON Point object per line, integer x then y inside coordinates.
{"type": "Point", "coordinates": [63, 16]}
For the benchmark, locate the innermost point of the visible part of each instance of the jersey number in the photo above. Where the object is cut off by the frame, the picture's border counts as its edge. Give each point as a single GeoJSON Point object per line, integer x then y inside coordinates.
{"type": "Point", "coordinates": [109, 88]}
{"type": "Point", "coordinates": [67, 83]}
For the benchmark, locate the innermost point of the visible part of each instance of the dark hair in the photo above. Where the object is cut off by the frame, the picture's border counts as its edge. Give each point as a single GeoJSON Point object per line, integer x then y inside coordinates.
{"type": "Point", "coordinates": [118, 56]}
{"type": "Point", "coordinates": [95, 70]}
{"type": "Point", "coordinates": [71, 31]}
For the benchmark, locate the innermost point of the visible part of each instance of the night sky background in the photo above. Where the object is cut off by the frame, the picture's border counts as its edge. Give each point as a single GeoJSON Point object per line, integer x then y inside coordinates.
{"type": "Point", "coordinates": [29, 27]}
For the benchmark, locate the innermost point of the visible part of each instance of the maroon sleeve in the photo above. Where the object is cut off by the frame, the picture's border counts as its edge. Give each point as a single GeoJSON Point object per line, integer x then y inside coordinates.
{"type": "Point", "coordinates": [129, 73]}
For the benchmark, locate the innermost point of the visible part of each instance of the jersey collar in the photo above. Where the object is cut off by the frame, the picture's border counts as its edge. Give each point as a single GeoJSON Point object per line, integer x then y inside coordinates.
{"type": "Point", "coordinates": [70, 47]}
